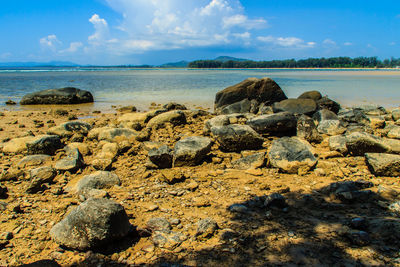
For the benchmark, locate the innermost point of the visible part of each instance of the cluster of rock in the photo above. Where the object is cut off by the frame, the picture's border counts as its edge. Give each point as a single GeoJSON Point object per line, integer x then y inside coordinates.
{"type": "Point", "coordinates": [249, 115]}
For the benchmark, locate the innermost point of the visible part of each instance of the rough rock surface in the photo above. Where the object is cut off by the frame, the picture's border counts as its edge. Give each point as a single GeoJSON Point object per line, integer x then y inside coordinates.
{"type": "Point", "coordinates": [237, 137]}
{"type": "Point", "coordinates": [70, 128]}
{"type": "Point", "coordinates": [175, 117]}
{"type": "Point", "coordinates": [326, 103]}
{"type": "Point", "coordinates": [331, 127]}
{"type": "Point", "coordinates": [253, 161]}
{"type": "Point", "coordinates": [191, 151]}
{"type": "Point", "coordinates": [38, 177]}
{"type": "Point", "coordinates": [109, 134]}
{"type": "Point", "coordinates": [263, 90]}
{"type": "Point", "coordinates": [44, 144]}
{"type": "Point", "coordinates": [68, 95]}
{"type": "Point", "coordinates": [93, 223]}
{"type": "Point", "coordinates": [98, 180]}
{"type": "Point", "coordinates": [360, 143]}
{"type": "Point", "coordinates": [279, 123]}
{"type": "Point", "coordinates": [290, 155]}
{"type": "Point", "coordinates": [314, 95]}
{"type": "Point", "coordinates": [243, 106]}
{"type": "Point", "coordinates": [338, 143]}
{"type": "Point", "coordinates": [33, 160]}
{"type": "Point", "coordinates": [72, 162]}
{"type": "Point", "coordinates": [307, 130]}
{"type": "Point", "coordinates": [162, 156]}
{"type": "Point", "coordinates": [383, 164]}
{"type": "Point", "coordinates": [296, 106]}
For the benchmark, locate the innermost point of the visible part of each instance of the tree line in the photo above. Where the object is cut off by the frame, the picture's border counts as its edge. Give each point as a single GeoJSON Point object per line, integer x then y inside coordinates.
{"type": "Point", "coordinates": [333, 62]}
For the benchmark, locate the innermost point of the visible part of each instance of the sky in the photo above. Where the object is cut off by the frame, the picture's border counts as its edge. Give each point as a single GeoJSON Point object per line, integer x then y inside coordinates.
{"type": "Point", "coordinates": [114, 32]}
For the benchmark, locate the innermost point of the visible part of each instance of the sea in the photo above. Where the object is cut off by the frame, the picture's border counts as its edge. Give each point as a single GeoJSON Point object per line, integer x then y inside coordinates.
{"type": "Point", "coordinates": [197, 87]}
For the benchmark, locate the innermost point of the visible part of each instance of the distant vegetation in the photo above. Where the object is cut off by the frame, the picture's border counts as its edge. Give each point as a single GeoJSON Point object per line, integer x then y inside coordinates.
{"type": "Point", "coordinates": [334, 62]}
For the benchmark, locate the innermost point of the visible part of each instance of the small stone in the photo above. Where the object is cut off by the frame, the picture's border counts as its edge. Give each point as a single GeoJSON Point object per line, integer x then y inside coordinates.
{"type": "Point", "coordinates": [206, 228]}
{"type": "Point", "coordinates": [238, 208]}
{"type": "Point", "coordinates": [158, 224]}
{"type": "Point", "coordinates": [275, 200]}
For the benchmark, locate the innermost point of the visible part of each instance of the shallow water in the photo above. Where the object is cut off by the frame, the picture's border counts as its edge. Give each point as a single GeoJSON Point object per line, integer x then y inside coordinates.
{"type": "Point", "coordinates": [140, 87]}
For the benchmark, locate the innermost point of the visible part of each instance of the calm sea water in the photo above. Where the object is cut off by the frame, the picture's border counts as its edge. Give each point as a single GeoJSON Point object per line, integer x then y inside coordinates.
{"type": "Point", "coordinates": [140, 87]}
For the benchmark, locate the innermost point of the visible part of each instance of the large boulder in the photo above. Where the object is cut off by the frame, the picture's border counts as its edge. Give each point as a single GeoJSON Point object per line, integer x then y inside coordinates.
{"type": "Point", "coordinates": [326, 103]}
{"type": "Point", "coordinates": [279, 123]}
{"type": "Point", "coordinates": [359, 143]}
{"type": "Point", "coordinates": [70, 128]}
{"type": "Point", "coordinates": [191, 151]}
{"type": "Point", "coordinates": [94, 223]}
{"type": "Point", "coordinates": [68, 95]}
{"type": "Point", "coordinates": [314, 95]}
{"type": "Point", "coordinates": [44, 144]}
{"type": "Point", "coordinates": [291, 155]}
{"type": "Point", "coordinates": [383, 164]}
{"type": "Point", "coordinates": [235, 137]}
{"type": "Point", "coordinates": [262, 90]}
{"type": "Point", "coordinates": [296, 106]}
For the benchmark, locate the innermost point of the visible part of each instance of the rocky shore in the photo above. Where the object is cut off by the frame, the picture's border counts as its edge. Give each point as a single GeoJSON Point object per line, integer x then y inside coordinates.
{"type": "Point", "coordinates": [263, 181]}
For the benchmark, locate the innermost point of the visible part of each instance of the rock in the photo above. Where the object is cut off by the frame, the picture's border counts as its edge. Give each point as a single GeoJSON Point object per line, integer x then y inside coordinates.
{"type": "Point", "coordinates": [290, 155]}
{"type": "Point", "coordinates": [88, 193]}
{"type": "Point", "coordinates": [393, 144]}
{"type": "Point", "coordinates": [382, 164]}
{"type": "Point", "coordinates": [12, 174]}
{"type": "Point", "coordinates": [17, 145]}
{"type": "Point", "coordinates": [68, 95]}
{"type": "Point", "coordinates": [250, 162]}
{"type": "Point", "coordinates": [206, 228]}
{"type": "Point", "coordinates": [396, 114]}
{"type": "Point", "coordinates": [98, 180]}
{"type": "Point", "coordinates": [235, 137]}
{"type": "Point", "coordinates": [295, 106]}
{"type": "Point", "coordinates": [102, 164]}
{"type": "Point", "coordinates": [127, 109]}
{"type": "Point", "coordinates": [338, 143]}
{"type": "Point", "coordinates": [360, 143]}
{"type": "Point", "coordinates": [109, 151]}
{"type": "Point", "coordinates": [326, 103]}
{"type": "Point", "coordinates": [377, 122]}
{"type": "Point", "coordinates": [349, 191]}
{"type": "Point", "coordinates": [10, 102]}
{"type": "Point", "coordinates": [174, 106]}
{"type": "Point", "coordinates": [172, 176]}
{"type": "Point", "coordinates": [395, 207]}
{"type": "Point", "coordinates": [162, 156]}
{"type": "Point", "coordinates": [70, 128]}
{"type": "Point", "coordinates": [138, 120]}
{"type": "Point", "coordinates": [307, 130]}
{"type": "Point", "coordinates": [82, 147]}
{"type": "Point", "coordinates": [33, 160]}
{"type": "Point", "coordinates": [265, 109]}
{"type": "Point", "coordinates": [243, 106]}
{"type": "Point", "coordinates": [394, 132]}
{"type": "Point", "coordinates": [38, 177]}
{"type": "Point", "coordinates": [264, 90]}
{"type": "Point", "coordinates": [323, 115]}
{"type": "Point", "coordinates": [191, 151]}
{"type": "Point", "coordinates": [72, 162]}
{"type": "Point", "coordinates": [356, 116]}
{"type": "Point", "coordinates": [279, 123]}
{"type": "Point", "coordinates": [359, 223]}
{"type": "Point", "coordinates": [359, 238]}
{"type": "Point", "coordinates": [44, 144]}
{"type": "Point", "coordinates": [331, 127]}
{"type": "Point", "coordinates": [3, 192]}
{"type": "Point", "coordinates": [275, 200]}
{"type": "Point", "coordinates": [94, 223]}
{"type": "Point", "coordinates": [314, 95]}
{"type": "Point", "coordinates": [372, 110]}
{"type": "Point", "coordinates": [221, 120]}
{"type": "Point", "coordinates": [175, 117]}
{"type": "Point", "coordinates": [158, 224]}
{"type": "Point", "coordinates": [110, 134]}
{"type": "Point", "coordinates": [238, 208]}
{"type": "Point", "coordinates": [167, 239]}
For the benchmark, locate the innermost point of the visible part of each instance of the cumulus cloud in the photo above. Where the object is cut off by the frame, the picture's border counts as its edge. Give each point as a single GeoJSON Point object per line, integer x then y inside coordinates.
{"type": "Point", "coordinates": [101, 30]}
{"type": "Point", "coordinates": [50, 42]}
{"type": "Point", "coordinates": [73, 47]}
{"type": "Point", "coordinates": [174, 24]}
{"type": "Point", "coordinates": [286, 42]}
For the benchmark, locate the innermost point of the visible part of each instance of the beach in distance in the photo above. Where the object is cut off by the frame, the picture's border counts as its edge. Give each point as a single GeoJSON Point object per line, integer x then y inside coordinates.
{"type": "Point", "coordinates": [197, 87]}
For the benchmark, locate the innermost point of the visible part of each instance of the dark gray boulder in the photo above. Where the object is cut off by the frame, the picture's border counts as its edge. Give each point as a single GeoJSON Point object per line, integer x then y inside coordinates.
{"type": "Point", "coordinates": [326, 103]}
{"type": "Point", "coordinates": [162, 156]}
{"type": "Point", "coordinates": [291, 154]}
{"type": "Point", "coordinates": [235, 137]}
{"type": "Point", "coordinates": [279, 123]}
{"type": "Point", "coordinates": [263, 90]}
{"type": "Point", "coordinates": [191, 151]}
{"type": "Point", "coordinates": [314, 95]}
{"type": "Point", "coordinates": [94, 223]}
{"type": "Point", "coordinates": [307, 130]}
{"type": "Point", "coordinates": [44, 144]}
{"type": "Point", "coordinates": [383, 164]}
{"type": "Point", "coordinates": [254, 161]}
{"type": "Point", "coordinates": [359, 143]}
{"type": "Point", "coordinates": [296, 106]}
{"type": "Point", "coordinates": [67, 95]}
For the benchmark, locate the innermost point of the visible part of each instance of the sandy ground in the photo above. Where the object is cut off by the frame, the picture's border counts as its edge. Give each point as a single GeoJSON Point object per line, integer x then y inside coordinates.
{"type": "Point", "coordinates": [312, 231]}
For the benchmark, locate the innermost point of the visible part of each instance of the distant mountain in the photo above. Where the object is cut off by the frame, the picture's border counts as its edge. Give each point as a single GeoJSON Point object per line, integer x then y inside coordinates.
{"type": "Point", "coordinates": [180, 64]}
{"type": "Point", "coordinates": [226, 58]}
{"type": "Point", "coordinates": [39, 64]}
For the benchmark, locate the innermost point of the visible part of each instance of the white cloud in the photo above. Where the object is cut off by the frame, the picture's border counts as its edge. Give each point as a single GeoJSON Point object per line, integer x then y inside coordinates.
{"type": "Point", "coordinates": [73, 47]}
{"type": "Point", "coordinates": [347, 44]}
{"type": "Point", "coordinates": [50, 42]}
{"type": "Point", "coordinates": [101, 30]}
{"type": "Point", "coordinates": [329, 42]}
{"type": "Point", "coordinates": [286, 42]}
{"type": "Point", "coordinates": [174, 24]}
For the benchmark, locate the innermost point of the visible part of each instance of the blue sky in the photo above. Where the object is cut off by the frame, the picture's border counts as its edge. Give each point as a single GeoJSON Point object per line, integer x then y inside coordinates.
{"type": "Point", "coordinates": [107, 32]}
